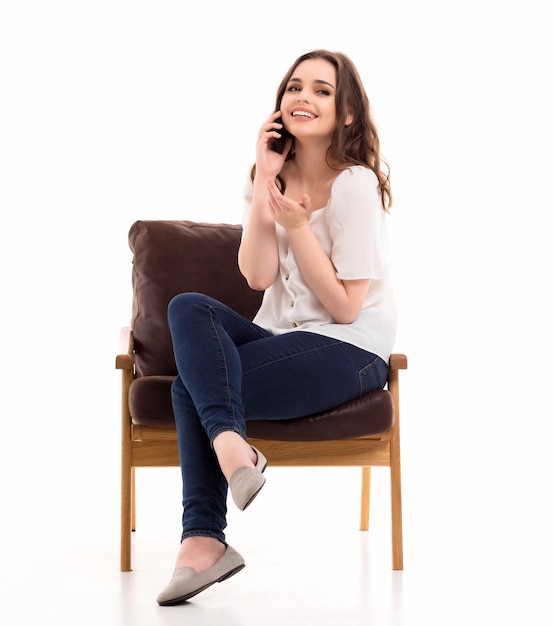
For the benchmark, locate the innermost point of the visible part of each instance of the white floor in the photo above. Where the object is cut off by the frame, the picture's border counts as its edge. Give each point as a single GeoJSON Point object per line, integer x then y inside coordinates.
{"type": "Point", "coordinates": [306, 562]}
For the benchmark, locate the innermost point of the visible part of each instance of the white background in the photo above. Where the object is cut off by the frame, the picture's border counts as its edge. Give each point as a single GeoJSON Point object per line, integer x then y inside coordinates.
{"type": "Point", "coordinates": [116, 111]}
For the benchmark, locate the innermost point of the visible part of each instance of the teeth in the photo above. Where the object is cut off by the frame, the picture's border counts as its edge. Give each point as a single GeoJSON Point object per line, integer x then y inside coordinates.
{"type": "Point", "coordinates": [302, 114]}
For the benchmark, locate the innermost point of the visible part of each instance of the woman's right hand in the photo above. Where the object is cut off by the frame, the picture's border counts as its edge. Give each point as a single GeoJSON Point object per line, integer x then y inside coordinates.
{"type": "Point", "coordinates": [268, 163]}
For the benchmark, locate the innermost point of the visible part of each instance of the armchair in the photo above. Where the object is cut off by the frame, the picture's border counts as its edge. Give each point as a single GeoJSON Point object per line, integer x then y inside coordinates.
{"type": "Point", "coordinates": [171, 257]}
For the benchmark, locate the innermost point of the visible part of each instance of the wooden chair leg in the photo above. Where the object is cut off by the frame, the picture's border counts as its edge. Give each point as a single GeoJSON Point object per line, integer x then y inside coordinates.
{"type": "Point", "coordinates": [133, 499]}
{"type": "Point", "coordinates": [397, 525]}
{"type": "Point", "coordinates": [126, 505]}
{"type": "Point", "coordinates": [395, 481]}
{"type": "Point", "coordinates": [365, 497]}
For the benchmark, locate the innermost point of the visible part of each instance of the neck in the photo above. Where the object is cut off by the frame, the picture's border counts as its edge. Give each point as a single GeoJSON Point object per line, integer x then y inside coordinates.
{"type": "Point", "coordinates": [310, 163]}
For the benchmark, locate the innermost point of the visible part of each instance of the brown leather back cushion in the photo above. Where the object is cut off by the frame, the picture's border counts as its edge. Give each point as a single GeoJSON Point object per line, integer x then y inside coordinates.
{"type": "Point", "coordinates": [171, 257]}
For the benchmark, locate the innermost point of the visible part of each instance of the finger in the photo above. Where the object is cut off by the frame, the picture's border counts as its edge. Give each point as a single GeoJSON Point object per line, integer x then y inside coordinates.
{"type": "Point", "coordinates": [306, 202]}
{"type": "Point", "coordinates": [271, 123]}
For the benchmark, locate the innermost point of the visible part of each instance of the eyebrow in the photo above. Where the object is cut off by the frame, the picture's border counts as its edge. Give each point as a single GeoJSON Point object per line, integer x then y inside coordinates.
{"type": "Point", "coordinates": [318, 82]}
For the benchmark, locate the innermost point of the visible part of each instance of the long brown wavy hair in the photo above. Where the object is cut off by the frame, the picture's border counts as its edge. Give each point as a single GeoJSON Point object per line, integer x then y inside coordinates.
{"type": "Point", "coordinates": [357, 143]}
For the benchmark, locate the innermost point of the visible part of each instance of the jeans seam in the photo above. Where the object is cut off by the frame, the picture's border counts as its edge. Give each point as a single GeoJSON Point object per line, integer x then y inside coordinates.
{"type": "Point", "coordinates": [244, 322]}
{"type": "Point", "coordinates": [292, 356]}
{"type": "Point", "coordinates": [225, 365]}
{"type": "Point", "coordinates": [229, 403]}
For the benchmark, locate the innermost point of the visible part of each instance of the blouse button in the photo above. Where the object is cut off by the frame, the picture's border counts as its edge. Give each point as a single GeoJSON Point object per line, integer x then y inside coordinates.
{"type": "Point", "coordinates": [292, 304]}
{"type": "Point", "coordinates": [287, 277]}
{"type": "Point", "coordinates": [295, 324]}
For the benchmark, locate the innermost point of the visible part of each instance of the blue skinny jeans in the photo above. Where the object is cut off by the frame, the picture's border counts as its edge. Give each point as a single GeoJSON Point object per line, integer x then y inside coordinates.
{"type": "Point", "coordinates": [231, 370]}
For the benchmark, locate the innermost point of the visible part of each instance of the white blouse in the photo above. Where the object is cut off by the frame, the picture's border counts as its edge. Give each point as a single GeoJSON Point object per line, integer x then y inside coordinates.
{"type": "Point", "coordinates": [352, 230]}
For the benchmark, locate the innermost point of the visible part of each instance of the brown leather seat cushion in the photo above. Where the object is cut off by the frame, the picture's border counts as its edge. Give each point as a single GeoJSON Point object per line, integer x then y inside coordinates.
{"type": "Point", "coordinates": [150, 405]}
{"type": "Point", "coordinates": [171, 257]}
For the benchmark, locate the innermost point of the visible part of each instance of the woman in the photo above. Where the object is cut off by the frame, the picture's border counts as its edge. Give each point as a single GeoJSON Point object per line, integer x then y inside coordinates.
{"type": "Point", "coordinates": [314, 240]}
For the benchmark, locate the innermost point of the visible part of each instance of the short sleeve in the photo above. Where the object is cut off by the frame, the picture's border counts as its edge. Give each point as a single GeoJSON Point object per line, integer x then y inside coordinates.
{"type": "Point", "coordinates": [357, 226]}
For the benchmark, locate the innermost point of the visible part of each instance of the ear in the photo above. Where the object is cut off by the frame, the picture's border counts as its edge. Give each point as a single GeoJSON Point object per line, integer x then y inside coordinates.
{"type": "Point", "coordinates": [349, 118]}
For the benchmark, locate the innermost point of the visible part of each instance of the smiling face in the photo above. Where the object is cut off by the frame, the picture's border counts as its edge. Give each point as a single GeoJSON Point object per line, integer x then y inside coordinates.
{"type": "Point", "coordinates": [308, 104]}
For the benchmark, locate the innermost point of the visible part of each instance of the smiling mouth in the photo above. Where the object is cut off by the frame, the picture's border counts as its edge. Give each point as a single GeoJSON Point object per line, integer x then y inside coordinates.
{"type": "Point", "coordinates": [303, 114]}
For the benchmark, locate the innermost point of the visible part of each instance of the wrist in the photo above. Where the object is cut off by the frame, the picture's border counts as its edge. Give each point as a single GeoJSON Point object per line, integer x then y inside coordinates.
{"type": "Point", "coordinates": [298, 229]}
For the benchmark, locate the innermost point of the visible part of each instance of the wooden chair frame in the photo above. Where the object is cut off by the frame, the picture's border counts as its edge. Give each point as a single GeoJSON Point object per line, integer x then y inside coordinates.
{"type": "Point", "coordinates": [146, 446]}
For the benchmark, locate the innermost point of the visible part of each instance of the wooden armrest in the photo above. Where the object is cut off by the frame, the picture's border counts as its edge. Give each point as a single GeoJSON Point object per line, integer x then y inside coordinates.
{"type": "Point", "coordinates": [125, 359]}
{"type": "Point", "coordinates": [398, 362]}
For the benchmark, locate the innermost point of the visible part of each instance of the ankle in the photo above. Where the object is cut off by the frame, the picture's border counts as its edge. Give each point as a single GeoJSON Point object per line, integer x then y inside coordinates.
{"type": "Point", "coordinates": [233, 452]}
{"type": "Point", "coordinates": [199, 553]}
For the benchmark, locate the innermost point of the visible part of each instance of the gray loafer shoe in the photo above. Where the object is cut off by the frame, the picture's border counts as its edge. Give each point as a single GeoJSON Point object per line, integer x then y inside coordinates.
{"type": "Point", "coordinates": [187, 582]}
{"type": "Point", "coordinates": [246, 482]}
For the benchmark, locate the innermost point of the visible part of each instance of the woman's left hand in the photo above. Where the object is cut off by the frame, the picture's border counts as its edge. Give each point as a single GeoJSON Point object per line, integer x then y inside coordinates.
{"type": "Point", "coordinates": [289, 213]}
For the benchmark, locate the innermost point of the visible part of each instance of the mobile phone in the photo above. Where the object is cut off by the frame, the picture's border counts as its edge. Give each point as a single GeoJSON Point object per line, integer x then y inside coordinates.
{"type": "Point", "coordinates": [277, 144]}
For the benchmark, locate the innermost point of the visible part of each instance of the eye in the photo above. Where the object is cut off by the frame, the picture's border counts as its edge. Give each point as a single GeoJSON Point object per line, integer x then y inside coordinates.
{"type": "Point", "coordinates": [323, 92]}
{"type": "Point", "coordinates": [293, 88]}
